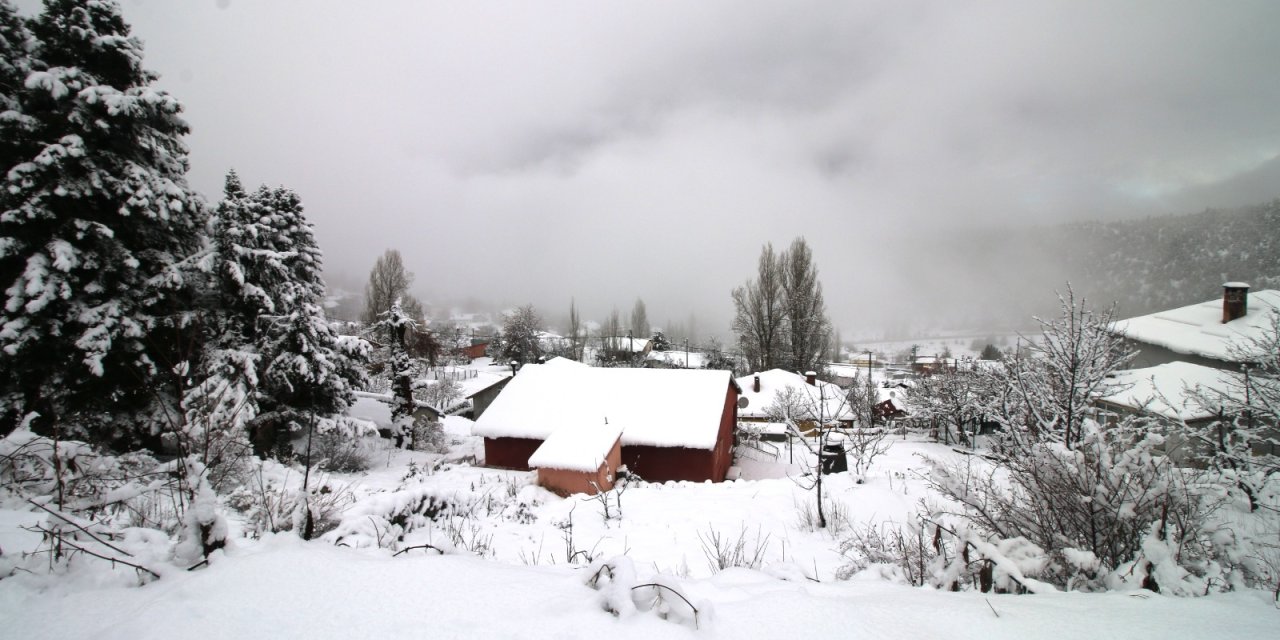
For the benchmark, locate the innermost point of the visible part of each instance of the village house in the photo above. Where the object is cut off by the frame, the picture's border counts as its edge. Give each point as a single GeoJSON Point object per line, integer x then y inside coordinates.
{"type": "Point", "coordinates": [1215, 333]}
{"type": "Point", "coordinates": [625, 348]}
{"type": "Point", "coordinates": [1186, 398]}
{"type": "Point", "coordinates": [1189, 363]}
{"type": "Point", "coordinates": [675, 424]}
{"type": "Point", "coordinates": [823, 401]}
{"type": "Point", "coordinates": [891, 402]}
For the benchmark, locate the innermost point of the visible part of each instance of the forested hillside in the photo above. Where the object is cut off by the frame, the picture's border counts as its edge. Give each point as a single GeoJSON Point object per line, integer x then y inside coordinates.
{"type": "Point", "coordinates": [997, 278]}
{"type": "Point", "coordinates": [1169, 261]}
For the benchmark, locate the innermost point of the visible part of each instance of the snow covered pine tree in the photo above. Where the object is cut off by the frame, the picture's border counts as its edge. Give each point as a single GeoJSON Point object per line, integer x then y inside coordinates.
{"type": "Point", "coordinates": [94, 213]}
{"type": "Point", "coordinates": [268, 271]}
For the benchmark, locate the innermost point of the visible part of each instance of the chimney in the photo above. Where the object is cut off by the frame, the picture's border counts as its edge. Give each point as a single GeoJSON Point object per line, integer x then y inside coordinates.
{"type": "Point", "coordinates": [755, 386]}
{"type": "Point", "coordinates": [811, 377]}
{"type": "Point", "coordinates": [1235, 301]}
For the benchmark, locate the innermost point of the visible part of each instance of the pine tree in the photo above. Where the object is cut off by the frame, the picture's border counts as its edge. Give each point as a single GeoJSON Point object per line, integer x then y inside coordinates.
{"type": "Point", "coordinates": [398, 324]}
{"type": "Point", "coordinates": [16, 44]}
{"type": "Point", "coordinates": [520, 331]}
{"type": "Point", "coordinates": [95, 213]}
{"type": "Point", "coordinates": [273, 272]}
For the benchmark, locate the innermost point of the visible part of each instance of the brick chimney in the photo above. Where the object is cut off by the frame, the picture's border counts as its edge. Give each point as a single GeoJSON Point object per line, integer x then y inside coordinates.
{"type": "Point", "coordinates": [811, 377]}
{"type": "Point", "coordinates": [1235, 301]}
{"type": "Point", "coordinates": [755, 386]}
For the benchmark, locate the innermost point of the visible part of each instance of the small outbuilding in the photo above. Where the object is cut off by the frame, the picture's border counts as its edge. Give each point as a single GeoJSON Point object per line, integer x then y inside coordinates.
{"type": "Point", "coordinates": [579, 460]}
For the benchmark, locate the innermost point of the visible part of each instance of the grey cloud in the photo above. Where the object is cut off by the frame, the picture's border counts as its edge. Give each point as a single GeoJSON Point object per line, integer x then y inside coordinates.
{"type": "Point", "coordinates": [533, 152]}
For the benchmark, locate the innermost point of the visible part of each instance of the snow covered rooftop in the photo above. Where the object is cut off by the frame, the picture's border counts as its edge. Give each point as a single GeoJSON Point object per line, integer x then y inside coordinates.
{"type": "Point", "coordinates": [470, 380]}
{"type": "Point", "coordinates": [846, 369]}
{"type": "Point", "coordinates": [623, 343]}
{"type": "Point", "coordinates": [657, 407]}
{"type": "Point", "coordinates": [1198, 329]}
{"type": "Point", "coordinates": [897, 395]}
{"type": "Point", "coordinates": [677, 357]}
{"type": "Point", "coordinates": [775, 380]}
{"type": "Point", "coordinates": [577, 448]}
{"type": "Point", "coordinates": [560, 361]}
{"type": "Point", "coordinates": [1170, 389]}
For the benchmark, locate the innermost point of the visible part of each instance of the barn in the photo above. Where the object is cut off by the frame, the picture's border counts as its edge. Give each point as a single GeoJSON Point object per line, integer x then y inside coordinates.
{"type": "Point", "coordinates": [676, 424]}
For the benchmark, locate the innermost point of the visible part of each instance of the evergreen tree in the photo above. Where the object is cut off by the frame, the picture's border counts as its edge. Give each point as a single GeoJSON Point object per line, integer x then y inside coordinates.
{"type": "Point", "coordinates": [271, 270]}
{"type": "Point", "coordinates": [95, 213]}
{"type": "Point", "coordinates": [16, 44]}
{"type": "Point", "coordinates": [398, 324]}
{"type": "Point", "coordinates": [271, 363]}
{"type": "Point", "coordinates": [521, 332]}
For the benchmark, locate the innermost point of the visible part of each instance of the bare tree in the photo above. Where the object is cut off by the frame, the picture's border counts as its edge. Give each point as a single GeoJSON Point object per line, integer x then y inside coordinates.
{"type": "Point", "coordinates": [1241, 445]}
{"type": "Point", "coordinates": [760, 314]}
{"type": "Point", "coordinates": [1066, 370]}
{"type": "Point", "coordinates": [954, 401]}
{"type": "Point", "coordinates": [807, 327]}
{"type": "Point", "coordinates": [577, 333]}
{"type": "Point", "coordinates": [389, 282]}
{"type": "Point", "coordinates": [816, 409]}
{"type": "Point", "coordinates": [639, 320]}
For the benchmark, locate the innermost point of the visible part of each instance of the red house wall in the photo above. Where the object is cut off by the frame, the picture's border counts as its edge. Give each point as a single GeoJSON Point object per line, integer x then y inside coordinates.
{"type": "Point", "coordinates": [509, 453]}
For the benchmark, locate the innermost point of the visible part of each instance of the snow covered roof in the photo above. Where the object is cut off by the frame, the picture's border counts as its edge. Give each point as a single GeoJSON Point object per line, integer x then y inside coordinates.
{"type": "Point", "coordinates": [658, 407]}
{"type": "Point", "coordinates": [561, 361]}
{"type": "Point", "coordinates": [775, 380]}
{"type": "Point", "coordinates": [846, 370]}
{"type": "Point", "coordinates": [696, 360]}
{"type": "Point", "coordinates": [897, 395]}
{"type": "Point", "coordinates": [1170, 389]}
{"type": "Point", "coordinates": [623, 343]}
{"type": "Point", "coordinates": [1198, 329]}
{"type": "Point", "coordinates": [470, 380]}
{"type": "Point", "coordinates": [577, 448]}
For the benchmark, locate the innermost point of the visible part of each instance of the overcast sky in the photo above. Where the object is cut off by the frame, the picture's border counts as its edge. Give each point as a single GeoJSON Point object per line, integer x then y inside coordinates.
{"type": "Point", "coordinates": [534, 151]}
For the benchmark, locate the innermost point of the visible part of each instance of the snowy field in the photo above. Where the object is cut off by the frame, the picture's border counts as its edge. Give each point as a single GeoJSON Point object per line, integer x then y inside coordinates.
{"type": "Point", "coordinates": [508, 571]}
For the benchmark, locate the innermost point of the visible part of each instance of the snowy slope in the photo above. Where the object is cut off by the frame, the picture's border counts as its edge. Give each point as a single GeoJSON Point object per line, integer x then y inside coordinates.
{"type": "Point", "coordinates": [285, 588]}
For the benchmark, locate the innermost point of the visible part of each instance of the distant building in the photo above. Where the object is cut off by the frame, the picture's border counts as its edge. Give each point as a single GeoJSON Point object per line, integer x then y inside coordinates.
{"type": "Point", "coordinates": [826, 400]}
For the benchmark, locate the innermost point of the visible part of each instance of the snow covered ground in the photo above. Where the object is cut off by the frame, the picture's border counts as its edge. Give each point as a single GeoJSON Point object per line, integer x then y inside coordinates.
{"type": "Point", "coordinates": [520, 584]}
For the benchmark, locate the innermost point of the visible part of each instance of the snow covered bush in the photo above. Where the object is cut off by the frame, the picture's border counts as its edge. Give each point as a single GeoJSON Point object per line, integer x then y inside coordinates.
{"type": "Point", "coordinates": [272, 503]}
{"type": "Point", "coordinates": [423, 516]}
{"type": "Point", "coordinates": [723, 552]}
{"type": "Point", "coordinates": [343, 453]}
{"type": "Point", "coordinates": [1111, 512]}
{"type": "Point", "coordinates": [925, 552]}
{"type": "Point", "coordinates": [131, 511]}
{"type": "Point", "coordinates": [623, 594]}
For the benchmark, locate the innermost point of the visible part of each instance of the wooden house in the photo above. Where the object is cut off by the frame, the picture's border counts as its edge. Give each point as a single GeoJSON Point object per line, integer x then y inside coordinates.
{"type": "Point", "coordinates": [675, 424]}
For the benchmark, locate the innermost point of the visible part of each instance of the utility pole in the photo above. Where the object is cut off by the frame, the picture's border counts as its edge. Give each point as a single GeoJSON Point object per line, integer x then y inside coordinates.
{"type": "Point", "coordinates": [686, 353]}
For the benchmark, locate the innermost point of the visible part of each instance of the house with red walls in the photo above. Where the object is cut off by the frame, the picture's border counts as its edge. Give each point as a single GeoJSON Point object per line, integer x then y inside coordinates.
{"type": "Point", "coordinates": [676, 424]}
